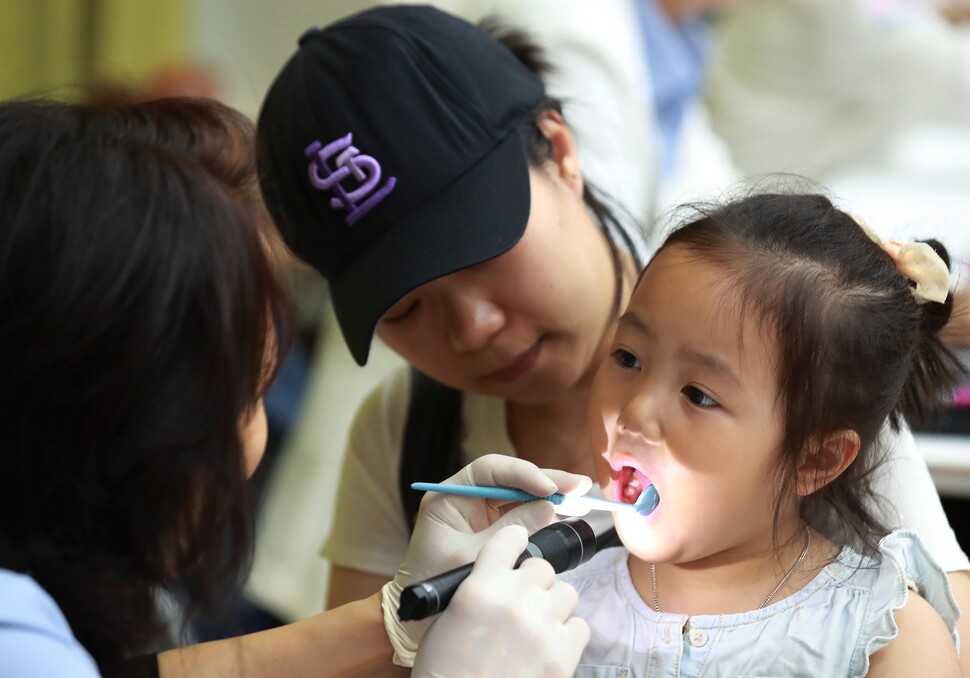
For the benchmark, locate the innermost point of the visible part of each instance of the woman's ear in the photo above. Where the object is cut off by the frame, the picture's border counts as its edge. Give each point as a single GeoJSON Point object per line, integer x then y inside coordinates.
{"type": "Point", "coordinates": [825, 463]}
{"type": "Point", "coordinates": [565, 159]}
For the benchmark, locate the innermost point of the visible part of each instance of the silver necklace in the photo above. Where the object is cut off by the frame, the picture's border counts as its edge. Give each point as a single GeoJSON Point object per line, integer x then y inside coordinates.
{"type": "Point", "coordinates": [808, 542]}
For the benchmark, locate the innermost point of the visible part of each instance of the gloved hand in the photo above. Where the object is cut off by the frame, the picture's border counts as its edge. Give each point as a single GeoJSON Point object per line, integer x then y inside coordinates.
{"type": "Point", "coordinates": [505, 622]}
{"type": "Point", "coordinates": [450, 531]}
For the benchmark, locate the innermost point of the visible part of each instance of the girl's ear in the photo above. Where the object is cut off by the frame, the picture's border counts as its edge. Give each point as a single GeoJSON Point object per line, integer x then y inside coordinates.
{"type": "Point", "coordinates": [821, 466]}
{"type": "Point", "coordinates": [565, 159]}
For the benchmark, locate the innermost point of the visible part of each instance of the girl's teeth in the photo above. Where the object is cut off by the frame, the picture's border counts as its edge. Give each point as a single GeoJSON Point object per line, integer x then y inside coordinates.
{"type": "Point", "coordinates": [631, 486]}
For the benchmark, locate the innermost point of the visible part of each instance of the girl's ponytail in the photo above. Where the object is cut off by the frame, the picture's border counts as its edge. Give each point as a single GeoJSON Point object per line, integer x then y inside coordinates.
{"type": "Point", "coordinates": [935, 369]}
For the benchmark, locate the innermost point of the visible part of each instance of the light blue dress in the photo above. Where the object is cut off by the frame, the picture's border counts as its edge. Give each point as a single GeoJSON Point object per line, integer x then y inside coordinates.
{"type": "Point", "coordinates": [35, 638]}
{"type": "Point", "coordinates": [829, 628]}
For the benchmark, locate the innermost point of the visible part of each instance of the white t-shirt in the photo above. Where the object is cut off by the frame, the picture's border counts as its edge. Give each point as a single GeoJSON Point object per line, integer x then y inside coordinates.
{"type": "Point", "coordinates": [371, 532]}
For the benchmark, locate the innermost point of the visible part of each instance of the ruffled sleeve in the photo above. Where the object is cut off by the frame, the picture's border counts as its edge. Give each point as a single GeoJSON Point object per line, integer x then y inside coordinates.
{"type": "Point", "coordinates": [905, 565]}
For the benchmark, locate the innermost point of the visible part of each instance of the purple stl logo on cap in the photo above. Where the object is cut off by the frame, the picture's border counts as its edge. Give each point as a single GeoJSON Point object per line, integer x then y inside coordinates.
{"type": "Point", "coordinates": [349, 162]}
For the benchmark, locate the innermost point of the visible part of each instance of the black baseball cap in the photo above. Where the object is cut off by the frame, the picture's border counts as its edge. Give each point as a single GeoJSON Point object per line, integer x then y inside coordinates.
{"type": "Point", "coordinates": [390, 155]}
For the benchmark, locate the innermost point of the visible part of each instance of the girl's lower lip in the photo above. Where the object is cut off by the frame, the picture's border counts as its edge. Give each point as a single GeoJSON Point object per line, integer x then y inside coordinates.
{"type": "Point", "coordinates": [520, 366]}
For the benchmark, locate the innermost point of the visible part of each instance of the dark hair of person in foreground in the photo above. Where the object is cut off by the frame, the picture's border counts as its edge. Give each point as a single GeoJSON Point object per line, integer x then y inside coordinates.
{"type": "Point", "coordinates": [140, 321]}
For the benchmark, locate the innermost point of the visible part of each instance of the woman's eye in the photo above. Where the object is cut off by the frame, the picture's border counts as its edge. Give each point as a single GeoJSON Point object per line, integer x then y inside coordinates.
{"type": "Point", "coordinates": [698, 397]}
{"type": "Point", "coordinates": [626, 359]}
{"type": "Point", "coordinates": [399, 315]}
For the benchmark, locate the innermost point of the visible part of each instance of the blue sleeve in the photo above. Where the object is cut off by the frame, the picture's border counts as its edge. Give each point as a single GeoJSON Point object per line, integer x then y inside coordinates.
{"type": "Point", "coordinates": [35, 638]}
{"type": "Point", "coordinates": [29, 653]}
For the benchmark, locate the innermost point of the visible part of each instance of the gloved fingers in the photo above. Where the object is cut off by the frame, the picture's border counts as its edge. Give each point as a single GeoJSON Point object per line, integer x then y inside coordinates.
{"type": "Point", "coordinates": [540, 574]}
{"type": "Point", "coordinates": [533, 516]}
{"type": "Point", "coordinates": [575, 634]}
{"type": "Point", "coordinates": [557, 652]}
{"type": "Point", "coordinates": [562, 600]}
{"type": "Point", "coordinates": [462, 514]}
{"type": "Point", "coordinates": [503, 621]}
{"type": "Point", "coordinates": [452, 530]}
{"type": "Point", "coordinates": [578, 629]}
{"type": "Point", "coordinates": [505, 471]}
{"type": "Point", "coordinates": [502, 550]}
{"type": "Point", "coordinates": [572, 484]}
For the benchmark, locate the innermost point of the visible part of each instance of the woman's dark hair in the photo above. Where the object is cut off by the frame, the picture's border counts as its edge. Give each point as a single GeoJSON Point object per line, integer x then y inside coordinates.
{"type": "Point", "coordinates": [539, 150]}
{"type": "Point", "coordinates": [140, 322]}
{"type": "Point", "coordinates": [855, 349]}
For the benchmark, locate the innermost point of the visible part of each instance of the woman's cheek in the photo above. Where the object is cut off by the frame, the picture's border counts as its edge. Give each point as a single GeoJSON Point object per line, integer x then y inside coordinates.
{"type": "Point", "coordinates": [254, 434]}
{"type": "Point", "coordinates": [600, 445]}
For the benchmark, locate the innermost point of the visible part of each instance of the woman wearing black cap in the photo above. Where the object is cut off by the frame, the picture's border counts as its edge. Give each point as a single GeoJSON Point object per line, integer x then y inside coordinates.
{"type": "Point", "coordinates": [140, 322]}
{"type": "Point", "coordinates": [418, 164]}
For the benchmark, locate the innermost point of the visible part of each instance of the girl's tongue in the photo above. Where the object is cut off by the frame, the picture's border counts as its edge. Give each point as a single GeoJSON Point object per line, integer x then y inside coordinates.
{"type": "Point", "coordinates": [629, 483]}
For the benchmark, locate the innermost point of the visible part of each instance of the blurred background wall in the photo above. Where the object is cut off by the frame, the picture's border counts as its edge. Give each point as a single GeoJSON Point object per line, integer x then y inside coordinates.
{"type": "Point", "coordinates": [247, 41]}
{"type": "Point", "coordinates": [53, 46]}
{"type": "Point", "coordinates": [231, 48]}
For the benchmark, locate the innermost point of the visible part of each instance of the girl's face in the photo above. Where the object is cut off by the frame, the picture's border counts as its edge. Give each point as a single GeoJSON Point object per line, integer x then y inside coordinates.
{"type": "Point", "coordinates": [687, 400]}
{"type": "Point", "coordinates": [527, 325]}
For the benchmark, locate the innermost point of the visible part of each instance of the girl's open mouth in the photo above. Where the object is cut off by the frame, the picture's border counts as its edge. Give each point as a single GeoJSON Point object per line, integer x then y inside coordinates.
{"type": "Point", "coordinates": [628, 484]}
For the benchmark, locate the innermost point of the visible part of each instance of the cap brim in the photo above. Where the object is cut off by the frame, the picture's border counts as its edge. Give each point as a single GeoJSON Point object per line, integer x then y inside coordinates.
{"type": "Point", "coordinates": [477, 217]}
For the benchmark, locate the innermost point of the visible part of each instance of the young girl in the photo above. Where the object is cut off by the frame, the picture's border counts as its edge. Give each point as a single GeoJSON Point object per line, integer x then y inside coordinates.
{"type": "Point", "coordinates": [750, 376]}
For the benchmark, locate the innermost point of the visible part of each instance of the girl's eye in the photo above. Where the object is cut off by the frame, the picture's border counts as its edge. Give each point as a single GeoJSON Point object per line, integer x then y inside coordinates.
{"type": "Point", "coordinates": [698, 397]}
{"type": "Point", "coordinates": [626, 359]}
{"type": "Point", "coordinates": [400, 315]}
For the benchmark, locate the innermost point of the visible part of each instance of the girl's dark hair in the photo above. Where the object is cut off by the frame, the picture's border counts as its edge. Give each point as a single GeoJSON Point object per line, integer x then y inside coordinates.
{"type": "Point", "coordinates": [854, 346]}
{"type": "Point", "coordinates": [140, 319]}
{"type": "Point", "coordinates": [539, 150]}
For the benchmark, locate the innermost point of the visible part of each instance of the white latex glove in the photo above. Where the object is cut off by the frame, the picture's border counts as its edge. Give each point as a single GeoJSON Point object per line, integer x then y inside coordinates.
{"type": "Point", "coordinates": [451, 530]}
{"type": "Point", "coordinates": [505, 622]}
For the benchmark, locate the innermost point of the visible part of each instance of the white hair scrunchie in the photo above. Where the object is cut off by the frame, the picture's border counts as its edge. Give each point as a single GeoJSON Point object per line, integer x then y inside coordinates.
{"type": "Point", "coordinates": [918, 262]}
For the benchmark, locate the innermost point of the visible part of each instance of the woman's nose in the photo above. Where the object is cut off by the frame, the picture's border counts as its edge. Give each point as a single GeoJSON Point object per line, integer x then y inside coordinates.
{"type": "Point", "coordinates": [472, 321]}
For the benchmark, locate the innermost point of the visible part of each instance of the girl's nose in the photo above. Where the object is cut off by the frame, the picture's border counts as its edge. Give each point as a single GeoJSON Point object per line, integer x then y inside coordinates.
{"type": "Point", "coordinates": [642, 415]}
{"type": "Point", "coordinates": [472, 321]}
